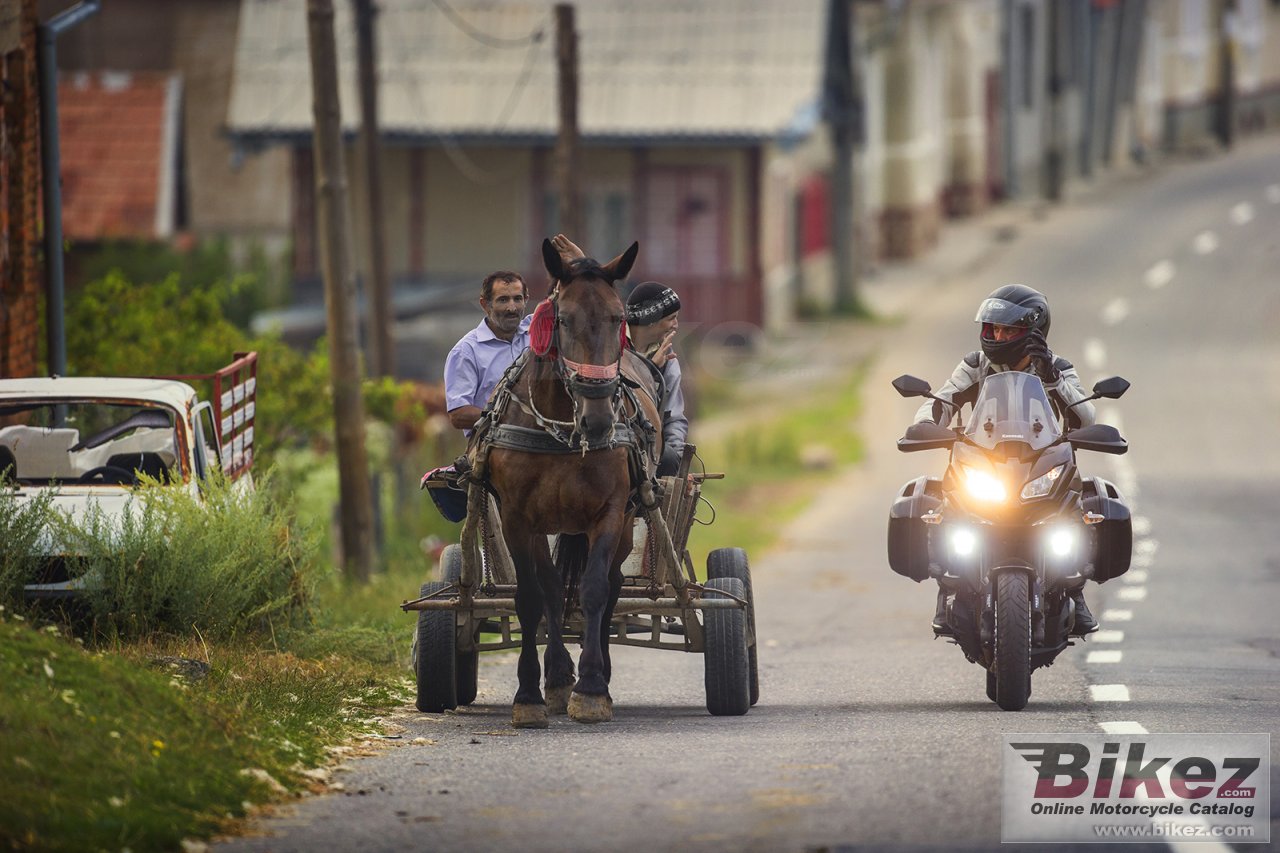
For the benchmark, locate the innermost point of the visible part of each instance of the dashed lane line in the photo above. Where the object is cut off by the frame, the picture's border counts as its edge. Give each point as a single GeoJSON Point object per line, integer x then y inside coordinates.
{"type": "Point", "coordinates": [1115, 311]}
{"type": "Point", "coordinates": [1205, 243]}
{"type": "Point", "coordinates": [1132, 593]}
{"type": "Point", "coordinates": [1109, 692]}
{"type": "Point", "coordinates": [1242, 213]}
{"type": "Point", "coordinates": [1134, 576]}
{"type": "Point", "coordinates": [1104, 656]}
{"type": "Point", "coordinates": [1117, 615]}
{"type": "Point", "coordinates": [1160, 274]}
{"type": "Point", "coordinates": [1108, 637]}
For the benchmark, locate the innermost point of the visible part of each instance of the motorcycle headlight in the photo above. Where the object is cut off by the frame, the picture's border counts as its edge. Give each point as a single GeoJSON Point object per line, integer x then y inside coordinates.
{"type": "Point", "coordinates": [1042, 485]}
{"type": "Point", "coordinates": [1062, 541]}
{"type": "Point", "coordinates": [983, 486]}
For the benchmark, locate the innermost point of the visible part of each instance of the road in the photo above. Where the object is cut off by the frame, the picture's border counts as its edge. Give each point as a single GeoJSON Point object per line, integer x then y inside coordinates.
{"type": "Point", "coordinates": [869, 734]}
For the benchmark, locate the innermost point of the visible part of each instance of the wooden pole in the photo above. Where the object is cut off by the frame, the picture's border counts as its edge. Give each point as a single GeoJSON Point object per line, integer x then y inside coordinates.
{"type": "Point", "coordinates": [333, 232]}
{"type": "Point", "coordinates": [566, 159]}
{"type": "Point", "coordinates": [377, 285]}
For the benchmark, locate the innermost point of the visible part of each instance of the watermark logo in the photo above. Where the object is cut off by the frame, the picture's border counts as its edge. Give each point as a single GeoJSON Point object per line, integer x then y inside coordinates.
{"type": "Point", "coordinates": [1100, 787]}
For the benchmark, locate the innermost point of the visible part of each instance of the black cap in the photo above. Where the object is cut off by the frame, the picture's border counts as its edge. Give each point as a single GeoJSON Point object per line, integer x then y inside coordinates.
{"type": "Point", "coordinates": [650, 302]}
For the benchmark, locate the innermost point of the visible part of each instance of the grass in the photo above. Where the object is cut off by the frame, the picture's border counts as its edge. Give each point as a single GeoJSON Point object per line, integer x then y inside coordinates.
{"type": "Point", "coordinates": [113, 748]}
{"type": "Point", "coordinates": [773, 465]}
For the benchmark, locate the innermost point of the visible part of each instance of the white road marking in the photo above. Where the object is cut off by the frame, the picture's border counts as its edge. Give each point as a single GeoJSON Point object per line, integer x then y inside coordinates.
{"type": "Point", "coordinates": [1133, 593]}
{"type": "Point", "coordinates": [1123, 727]}
{"type": "Point", "coordinates": [1242, 213]}
{"type": "Point", "coordinates": [1108, 637]}
{"type": "Point", "coordinates": [1135, 576]}
{"type": "Point", "coordinates": [1146, 547]}
{"type": "Point", "coordinates": [1141, 561]}
{"type": "Point", "coordinates": [1095, 354]}
{"type": "Point", "coordinates": [1115, 311]}
{"type": "Point", "coordinates": [1117, 615]}
{"type": "Point", "coordinates": [1109, 692]}
{"type": "Point", "coordinates": [1160, 275]}
{"type": "Point", "coordinates": [1273, 193]}
{"type": "Point", "coordinates": [1104, 657]}
{"type": "Point", "coordinates": [1205, 243]}
{"type": "Point", "coordinates": [1141, 525]}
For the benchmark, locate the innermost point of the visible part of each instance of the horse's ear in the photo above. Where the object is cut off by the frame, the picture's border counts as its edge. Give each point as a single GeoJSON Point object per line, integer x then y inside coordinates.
{"type": "Point", "coordinates": [620, 267]}
{"type": "Point", "coordinates": [551, 258]}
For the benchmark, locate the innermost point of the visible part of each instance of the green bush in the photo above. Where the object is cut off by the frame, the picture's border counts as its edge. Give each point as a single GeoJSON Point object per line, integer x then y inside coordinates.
{"type": "Point", "coordinates": [225, 563]}
{"type": "Point", "coordinates": [23, 531]}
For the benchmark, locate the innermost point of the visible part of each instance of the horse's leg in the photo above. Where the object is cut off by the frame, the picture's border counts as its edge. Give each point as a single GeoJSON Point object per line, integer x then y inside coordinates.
{"type": "Point", "coordinates": [528, 710]}
{"type": "Point", "coordinates": [557, 661]}
{"type": "Point", "coordinates": [615, 589]}
{"type": "Point", "coordinates": [590, 702]}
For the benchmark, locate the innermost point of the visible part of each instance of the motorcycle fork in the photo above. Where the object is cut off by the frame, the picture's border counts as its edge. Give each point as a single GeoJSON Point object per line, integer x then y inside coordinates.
{"type": "Point", "coordinates": [987, 626]}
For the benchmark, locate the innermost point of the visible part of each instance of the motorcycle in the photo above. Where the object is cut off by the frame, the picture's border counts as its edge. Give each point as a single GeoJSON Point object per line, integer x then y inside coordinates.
{"type": "Point", "coordinates": [1011, 528]}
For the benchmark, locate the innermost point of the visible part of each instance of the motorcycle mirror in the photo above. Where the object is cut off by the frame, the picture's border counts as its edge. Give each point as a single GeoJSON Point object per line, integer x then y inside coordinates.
{"type": "Point", "coordinates": [910, 386]}
{"type": "Point", "coordinates": [1112, 388]}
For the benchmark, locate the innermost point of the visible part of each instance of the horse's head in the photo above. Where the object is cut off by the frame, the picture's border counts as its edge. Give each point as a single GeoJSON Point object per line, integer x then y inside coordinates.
{"type": "Point", "coordinates": [588, 334]}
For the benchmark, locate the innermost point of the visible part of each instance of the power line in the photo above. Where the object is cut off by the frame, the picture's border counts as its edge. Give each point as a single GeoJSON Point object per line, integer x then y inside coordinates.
{"type": "Point", "coordinates": [485, 38]}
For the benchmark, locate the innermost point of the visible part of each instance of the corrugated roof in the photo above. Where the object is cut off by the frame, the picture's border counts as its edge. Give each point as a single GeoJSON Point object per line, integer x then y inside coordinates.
{"type": "Point", "coordinates": [118, 141]}
{"type": "Point", "coordinates": [482, 68]}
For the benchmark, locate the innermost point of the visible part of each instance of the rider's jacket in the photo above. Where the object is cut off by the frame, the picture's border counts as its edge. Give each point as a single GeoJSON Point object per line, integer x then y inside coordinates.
{"type": "Point", "coordinates": [963, 386]}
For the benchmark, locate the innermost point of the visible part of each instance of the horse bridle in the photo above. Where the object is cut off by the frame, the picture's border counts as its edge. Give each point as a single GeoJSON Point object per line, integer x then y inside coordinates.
{"type": "Point", "coordinates": [593, 381]}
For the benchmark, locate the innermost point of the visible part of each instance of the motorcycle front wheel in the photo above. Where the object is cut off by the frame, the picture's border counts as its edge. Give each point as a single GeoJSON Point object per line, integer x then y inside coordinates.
{"type": "Point", "coordinates": [1012, 665]}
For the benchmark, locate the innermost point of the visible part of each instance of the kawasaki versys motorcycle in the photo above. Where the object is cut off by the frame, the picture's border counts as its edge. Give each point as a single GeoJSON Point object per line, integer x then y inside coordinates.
{"type": "Point", "coordinates": [1011, 528]}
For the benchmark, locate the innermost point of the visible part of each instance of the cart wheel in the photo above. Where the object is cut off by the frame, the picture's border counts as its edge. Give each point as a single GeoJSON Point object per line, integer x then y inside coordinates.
{"type": "Point", "coordinates": [435, 662]}
{"type": "Point", "coordinates": [467, 667]}
{"type": "Point", "coordinates": [732, 563]}
{"type": "Point", "coordinates": [991, 686]}
{"type": "Point", "coordinates": [728, 668]}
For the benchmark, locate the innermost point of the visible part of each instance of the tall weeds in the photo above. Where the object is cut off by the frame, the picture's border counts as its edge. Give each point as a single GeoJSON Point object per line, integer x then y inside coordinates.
{"type": "Point", "coordinates": [221, 564]}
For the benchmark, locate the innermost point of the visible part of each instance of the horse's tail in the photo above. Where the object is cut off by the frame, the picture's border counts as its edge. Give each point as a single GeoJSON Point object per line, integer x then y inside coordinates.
{"type": "Point", "coordinates": [571, 559]}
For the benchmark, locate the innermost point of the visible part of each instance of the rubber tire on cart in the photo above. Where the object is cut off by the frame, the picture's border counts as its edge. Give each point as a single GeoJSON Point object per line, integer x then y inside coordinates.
{"type": "Point", "coordinates": [435, 657]}
{"type": "Point", "coordinates": [467, 668]}
{"type": "Point", "coordinates": [991, 685]}
{"type": "Point", "coordinates": [732, 563]}
{"type": "Point", "coordinates": [1013, 641]}
{"type": "Point", "coordinates": [727, 664]}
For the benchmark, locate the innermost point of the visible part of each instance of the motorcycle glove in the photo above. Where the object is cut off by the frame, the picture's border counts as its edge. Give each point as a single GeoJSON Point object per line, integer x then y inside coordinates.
{"type": "Point", "coordinates": [1042, 358]}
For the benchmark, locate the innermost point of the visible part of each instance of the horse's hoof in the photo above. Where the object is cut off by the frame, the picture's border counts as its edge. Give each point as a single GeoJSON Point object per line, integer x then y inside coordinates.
{"type": "Point", "coordinates": [558, 699]}
{"type": "Point", "coordinates": [590, 709]}
{"type": "Point", "coordinates": [529, 716]}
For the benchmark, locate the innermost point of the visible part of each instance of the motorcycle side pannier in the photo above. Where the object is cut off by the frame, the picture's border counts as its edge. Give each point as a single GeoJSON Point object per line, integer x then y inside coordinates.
{"type": "Point", "coordinates": [1112, 546]}
{"type": "Point", "coordinates": [908, 535]}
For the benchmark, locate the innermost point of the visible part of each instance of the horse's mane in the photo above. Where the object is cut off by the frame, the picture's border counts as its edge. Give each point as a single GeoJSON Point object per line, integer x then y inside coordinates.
{"type": "Point", "coordinates": [582, 268]}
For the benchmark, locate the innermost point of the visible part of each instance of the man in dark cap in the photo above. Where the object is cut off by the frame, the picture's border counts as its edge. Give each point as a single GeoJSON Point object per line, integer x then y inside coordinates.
{"type": "Point", "coordinates": [653, 316]}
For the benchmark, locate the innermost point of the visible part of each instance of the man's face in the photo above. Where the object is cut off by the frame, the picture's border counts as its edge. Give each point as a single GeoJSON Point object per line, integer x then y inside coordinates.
{"type": "Point", "coordinates": [1006, 333]}
{"type": "Point", "coordinates": [506, 307]}
{"type": "Point", "coordinates": [643, 336]}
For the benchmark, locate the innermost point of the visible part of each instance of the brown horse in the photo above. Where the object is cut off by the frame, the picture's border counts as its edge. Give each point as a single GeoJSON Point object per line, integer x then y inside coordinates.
{"type": "Point", "coordinates": [578, 487]}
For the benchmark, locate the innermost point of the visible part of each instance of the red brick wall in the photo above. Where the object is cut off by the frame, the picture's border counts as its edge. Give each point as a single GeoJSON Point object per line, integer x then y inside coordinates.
{"type": "Point", "coordinates": [19, 192]}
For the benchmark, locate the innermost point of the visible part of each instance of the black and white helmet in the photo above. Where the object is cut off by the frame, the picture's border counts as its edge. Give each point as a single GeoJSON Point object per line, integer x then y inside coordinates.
{"type": "Point", "coordinates": [1012, 305]}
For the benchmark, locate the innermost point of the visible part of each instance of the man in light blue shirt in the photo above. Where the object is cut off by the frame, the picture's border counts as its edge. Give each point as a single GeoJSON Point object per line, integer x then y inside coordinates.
{"type": "Point", "coordinates": [477, 362]}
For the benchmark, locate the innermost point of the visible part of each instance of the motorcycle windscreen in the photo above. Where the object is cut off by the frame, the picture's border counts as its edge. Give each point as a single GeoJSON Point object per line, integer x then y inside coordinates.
{"type": "Point", "coordinates": [1012, 406]}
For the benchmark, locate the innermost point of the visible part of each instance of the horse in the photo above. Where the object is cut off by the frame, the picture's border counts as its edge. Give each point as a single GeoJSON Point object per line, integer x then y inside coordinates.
{"type": "Point", "coordinates": [578, 486]}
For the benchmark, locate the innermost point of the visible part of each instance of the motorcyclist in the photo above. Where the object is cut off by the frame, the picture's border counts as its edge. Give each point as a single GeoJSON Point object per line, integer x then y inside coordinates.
{"type": "Point", "coordinates": [1015, 324]}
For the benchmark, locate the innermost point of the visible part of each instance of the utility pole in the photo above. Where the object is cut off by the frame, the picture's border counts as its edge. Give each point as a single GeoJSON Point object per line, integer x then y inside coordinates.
{"type": "Point", "coordinates": [51, 178]}
{"type": "Point", "coordinates": [377, 286]}
{"type": "Point", "coordinates": [566, 157]}
{"type": "Point", "coordinates": [1055, 153]}
{"type": "Point", "coordinates": [334, 236]}
{"type": "Point", "coordinates": [1226, 112]}
{"type": "Point", "coordinates": [842, 110]}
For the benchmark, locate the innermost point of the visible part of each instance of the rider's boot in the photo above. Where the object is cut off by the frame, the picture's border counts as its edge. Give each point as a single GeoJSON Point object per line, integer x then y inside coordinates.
{"type": "Point", "coordinates": [940, 625]}
{"type": "Point", "coordinates": [1085, 623]}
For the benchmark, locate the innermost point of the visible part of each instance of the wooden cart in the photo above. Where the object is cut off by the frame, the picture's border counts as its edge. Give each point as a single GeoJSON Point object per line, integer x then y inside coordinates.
{"type": "Point", "coordinates": [470, 607]}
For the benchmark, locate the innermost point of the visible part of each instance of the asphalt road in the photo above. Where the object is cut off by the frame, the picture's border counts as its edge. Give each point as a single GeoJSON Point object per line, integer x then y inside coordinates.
{"type": "Point", "coordinates": [870, 734]}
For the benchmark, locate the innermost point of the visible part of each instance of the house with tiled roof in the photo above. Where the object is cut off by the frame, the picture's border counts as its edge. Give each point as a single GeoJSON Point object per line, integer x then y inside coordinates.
{"type": "Point", "coordinates": [119, 139]}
